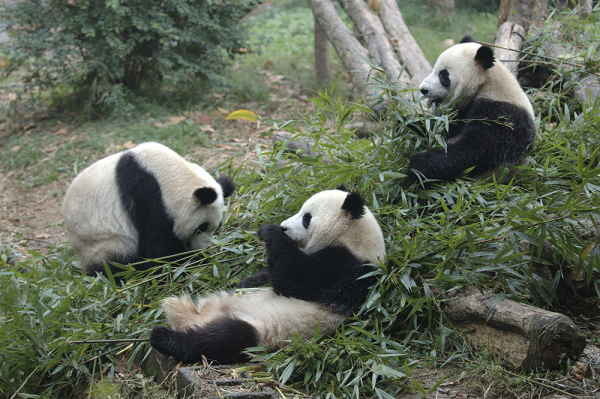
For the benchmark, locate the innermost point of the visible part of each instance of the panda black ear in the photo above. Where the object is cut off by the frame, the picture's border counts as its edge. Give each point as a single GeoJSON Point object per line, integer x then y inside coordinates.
{"type": "Point", "coordinates": [227, 185]}
{"type": "Point", "coordinates": [342, 187]}
{"type": "Point", "coordinates": [206, 195]}
{"type": "Point", "coordinates": [354, 204]}
{"type": "Point", "coordinates": [467, 39]}
{"type": "Point", "coordinates": [485, 57]}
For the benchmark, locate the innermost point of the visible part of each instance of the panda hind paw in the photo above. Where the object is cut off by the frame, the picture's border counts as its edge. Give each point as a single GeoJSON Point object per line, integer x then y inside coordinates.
{"type": "Point", "coordinates": [162, 339]}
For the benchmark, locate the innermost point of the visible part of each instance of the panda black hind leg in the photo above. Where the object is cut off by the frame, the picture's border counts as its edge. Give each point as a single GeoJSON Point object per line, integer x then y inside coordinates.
{"type": "Point", "coordinates": [221, 340]}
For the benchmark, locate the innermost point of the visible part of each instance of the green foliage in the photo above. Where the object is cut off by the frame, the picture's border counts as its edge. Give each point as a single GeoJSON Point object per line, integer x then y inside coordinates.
{"type": "Point", "coordinates": [105, 48]}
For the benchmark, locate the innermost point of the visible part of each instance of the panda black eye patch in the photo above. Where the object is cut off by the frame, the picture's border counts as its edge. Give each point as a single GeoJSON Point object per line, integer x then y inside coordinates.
{"type": "Point", "coordinates": [444, 76]}
{"type": "Point", "coordinates": [306, 220]}
{"type": "Point", "coordinates": [202, 228]}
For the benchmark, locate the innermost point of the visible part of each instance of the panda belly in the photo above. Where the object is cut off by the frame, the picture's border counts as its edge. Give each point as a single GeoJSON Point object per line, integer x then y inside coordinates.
{"type": "Point", "coordinates": [257, 318]}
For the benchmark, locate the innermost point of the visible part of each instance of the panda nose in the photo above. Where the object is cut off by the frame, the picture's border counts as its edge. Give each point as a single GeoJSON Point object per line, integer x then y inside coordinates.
{"type": "Point", "coordinates": [424, 91]}
{"type": "Point", "coordinates": [283, 228]}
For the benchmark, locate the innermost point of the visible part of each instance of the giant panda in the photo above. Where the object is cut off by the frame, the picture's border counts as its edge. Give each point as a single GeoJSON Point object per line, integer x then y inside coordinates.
{"type": "Point", "coordinates": [495, 123]}
{"type": "Point", "coordinates": [146, 202]}
{"type": "Point", "coordinates": [317, 262]}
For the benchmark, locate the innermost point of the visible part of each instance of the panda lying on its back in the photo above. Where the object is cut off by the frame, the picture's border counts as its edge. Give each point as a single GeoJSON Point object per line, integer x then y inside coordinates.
{"type": "Point", "coordinates": [146, 202]}
{"type": "Point", "coordinates": [319, 286]}
{"type": "Point", "coordinates": [495, 125]}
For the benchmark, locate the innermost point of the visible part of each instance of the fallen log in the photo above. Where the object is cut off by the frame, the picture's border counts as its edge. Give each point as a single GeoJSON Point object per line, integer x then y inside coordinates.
{"type": "Point", "coordinates": [523, 336]}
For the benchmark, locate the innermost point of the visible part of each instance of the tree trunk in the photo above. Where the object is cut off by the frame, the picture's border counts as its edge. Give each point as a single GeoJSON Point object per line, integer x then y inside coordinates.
{"type": "Point", "coordinates": [322, 64]}
{"type": "Point", "coordinates": [352, 54]}
{"type": "Point", "coordinates": [510, 36]}
{"type": "Point", "coordinates": [523, 12]}
{"type": "Point", "coordinates": [375, 39]}
{"type": "Point", "coordinates": [522, 335]}
{"type": "Point", "coordinates": [407, 49]}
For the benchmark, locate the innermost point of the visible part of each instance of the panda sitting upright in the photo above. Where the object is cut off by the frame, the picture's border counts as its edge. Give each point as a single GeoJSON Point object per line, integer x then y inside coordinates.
{"type": "Point", "coordinates": [317, 287]}
{"type": "Point", "coordinates": [146, 202]}
{"type": "Point", "coordinates": [495, 125]}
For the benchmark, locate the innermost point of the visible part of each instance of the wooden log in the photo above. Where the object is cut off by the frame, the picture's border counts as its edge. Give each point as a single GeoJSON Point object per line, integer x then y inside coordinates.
{"type": "Point", "coordinates": [352, 54]}
{"type": "Point", "coordinates": [408, 51]}
{"type": "Point", "coordinates": [375, 38]}
{"type": "Point", "coordinates": [522, 335]}
{"type": "Point", "coordinates": [509, 37]}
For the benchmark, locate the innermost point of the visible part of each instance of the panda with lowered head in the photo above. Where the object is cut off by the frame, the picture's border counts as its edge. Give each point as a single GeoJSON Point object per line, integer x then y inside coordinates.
{"type": "Point", "coordinates": [315, 261]}
{"type": "Point", "coordinates": [146, 202]}
{"type": "Point", "coordinates": [495, 124]}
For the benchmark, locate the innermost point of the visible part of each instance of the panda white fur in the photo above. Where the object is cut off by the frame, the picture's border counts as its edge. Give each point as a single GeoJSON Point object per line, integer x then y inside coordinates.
{"type": "Point", "coordinates": [495, 125]}
{"type": "Point", "coordinates": [315, 260]}
{"type": "Point", "coordinates": [146, 202]}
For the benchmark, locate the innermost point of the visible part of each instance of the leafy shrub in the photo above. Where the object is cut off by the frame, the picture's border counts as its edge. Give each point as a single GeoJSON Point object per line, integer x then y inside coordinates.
{"type": "Point", "coordinates": [100, 47]}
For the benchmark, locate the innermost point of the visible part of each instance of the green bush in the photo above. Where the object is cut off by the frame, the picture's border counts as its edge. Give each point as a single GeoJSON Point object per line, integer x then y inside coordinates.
{"type": "Point", "coordinates": [102, 47]}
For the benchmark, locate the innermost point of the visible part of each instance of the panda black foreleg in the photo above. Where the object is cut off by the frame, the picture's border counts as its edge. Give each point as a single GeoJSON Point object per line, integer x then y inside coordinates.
{"type": "Point", "coordinates": [258, 279]}
{"type": "Point", "coordinates": [447, 164]}
{"type": "Point", "coordinates": [222, 340]}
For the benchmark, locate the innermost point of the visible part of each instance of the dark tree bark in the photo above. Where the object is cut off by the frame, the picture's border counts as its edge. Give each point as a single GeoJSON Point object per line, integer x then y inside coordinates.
{"type": "Point", "coordinates": [322, 64]}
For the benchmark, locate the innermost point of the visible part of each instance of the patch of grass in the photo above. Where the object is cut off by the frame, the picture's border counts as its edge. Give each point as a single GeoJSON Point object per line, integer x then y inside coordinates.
{"type": "Point", "coordinates": [47, 152]}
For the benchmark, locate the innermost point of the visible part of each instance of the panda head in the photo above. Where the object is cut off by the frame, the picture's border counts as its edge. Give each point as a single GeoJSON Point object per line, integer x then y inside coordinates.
{"type": "Point", "coordinates": [206, 210]}
{"type": "Point", "coordinates": [459, 73]}
{"type": "Point", "coordinates": [192, 198]}
{"type": "Point", "coordinates": [337, 218]}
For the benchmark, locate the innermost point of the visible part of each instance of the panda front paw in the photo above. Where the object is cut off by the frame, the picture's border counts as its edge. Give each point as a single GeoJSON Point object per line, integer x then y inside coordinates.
{"type": "Point", "coordinates": [256, 280]}
{"type": "Point", "coordinates": [265, 232]}
{"type": "Point", "coordinates": [420, 163]}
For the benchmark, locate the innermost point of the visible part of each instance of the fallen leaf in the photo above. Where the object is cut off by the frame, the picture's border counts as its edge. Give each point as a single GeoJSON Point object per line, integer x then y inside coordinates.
{"type": "Point", "coordinates": [206, 128]}
{"type": "Point", "coordinates": [159, 124]}
{"type": "Point", "coordinates": [27, 127]}
{"type": "Point", "coordinates": [129, 144]}
{"type": "Point", "coordinates": [16, 148]}
{"type": "Point", "coordinates": [61, 131]}
{"type": "Point", "coordinates": [225, 146]}
{"type": "Point", "coordinates": [176, 119]}
{"type": "Point", "coordinates": [201, 118]}
{"type": "Point", "coordinates": [242, 114]}
{"type": "Point", "coordinates": [42, 236]}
